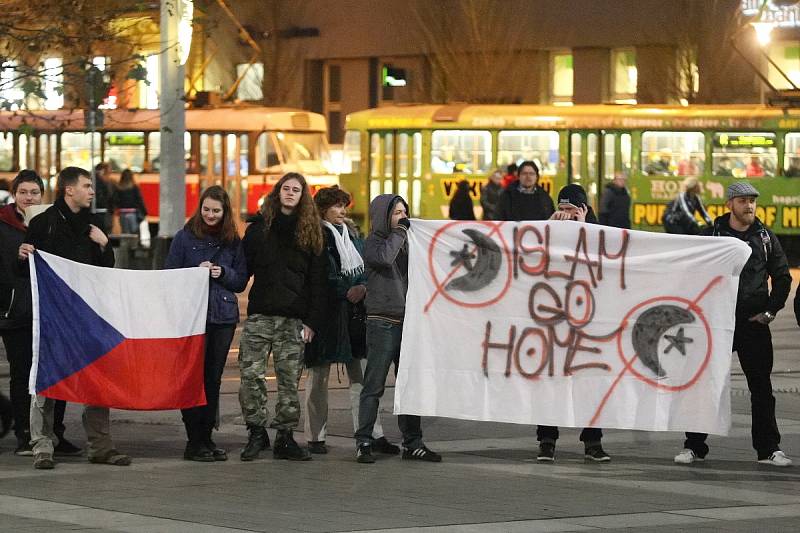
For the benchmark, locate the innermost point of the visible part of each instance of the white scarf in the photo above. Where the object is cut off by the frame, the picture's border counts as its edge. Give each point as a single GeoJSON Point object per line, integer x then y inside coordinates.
{"type": "Point", "coordinates": [351, 261]}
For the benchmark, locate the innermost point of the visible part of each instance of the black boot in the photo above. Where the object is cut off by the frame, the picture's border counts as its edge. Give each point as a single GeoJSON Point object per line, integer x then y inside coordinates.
{"type": "Point", "coordinates": [287, 448]}
{"type": "Point", "coordinates": [5, 415]}
{"type": "Point", "coordinates": [257, 441]}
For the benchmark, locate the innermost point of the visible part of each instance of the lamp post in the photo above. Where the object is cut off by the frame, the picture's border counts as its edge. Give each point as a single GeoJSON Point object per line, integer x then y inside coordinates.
{"type": "Point", "coordinates": [176, 36]}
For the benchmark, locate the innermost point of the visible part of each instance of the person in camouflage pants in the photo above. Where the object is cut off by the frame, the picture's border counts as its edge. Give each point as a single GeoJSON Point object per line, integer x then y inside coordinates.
{"type": "Point", "coordinates": [283, 337]}
{"type": "Point", "coordinates": [286, 306]}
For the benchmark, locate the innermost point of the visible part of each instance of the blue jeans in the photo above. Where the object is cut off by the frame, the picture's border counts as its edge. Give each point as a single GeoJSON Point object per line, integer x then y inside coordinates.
{"type": "Point", "coordinates": [383, 349]}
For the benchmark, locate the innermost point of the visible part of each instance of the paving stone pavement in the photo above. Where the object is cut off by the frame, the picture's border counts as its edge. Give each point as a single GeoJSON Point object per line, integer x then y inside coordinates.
{"type": "Point", "coordinates": [489, 479]}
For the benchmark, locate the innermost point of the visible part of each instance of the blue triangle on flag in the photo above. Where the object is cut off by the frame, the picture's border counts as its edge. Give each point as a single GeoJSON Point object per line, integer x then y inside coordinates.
{"type": "Point", "coordinates": [71, 334]}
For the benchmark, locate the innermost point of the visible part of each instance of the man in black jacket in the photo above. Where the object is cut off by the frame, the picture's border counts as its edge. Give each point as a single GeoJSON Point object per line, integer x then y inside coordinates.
{"type": "Point", "coordinates": [65, 230]}
{"type": "Point", "coordinates": [525, 199]}
{"type": "Point", "coordinates": [756, 307]}
{"type": "Point", "coordinates": [615, 204]}
{"type": "Point", "coordinates": [16, 315]}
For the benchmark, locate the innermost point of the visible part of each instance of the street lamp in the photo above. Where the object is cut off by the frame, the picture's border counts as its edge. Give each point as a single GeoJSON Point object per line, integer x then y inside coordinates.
{"type": "Point", "coordinates": [763, 31]}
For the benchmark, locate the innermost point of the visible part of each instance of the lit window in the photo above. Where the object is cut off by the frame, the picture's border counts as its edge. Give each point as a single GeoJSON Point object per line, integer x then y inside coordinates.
{"type": "Point", "coordinates": [624, 74]}
{"type": "Point", "coordinates": [250, 88]}
{"type": "Point", "coordinates": [745, 155]}
{"type": "Point", "coordinates": [11, 93]}
{"type": "Point", "coordinates": [76, 149]}
{"type": "Point", "coordinates": [53, 83]}
{"type": "Point", "coordinates": [786, 55]}
{"type": "Point", "coordinates": [100, 62]}
{"type": "Point", "coordinates": [791, 162]}
{"type": "Point", "coordinates": [673, 153]}
{"type": "Point", "coordinates": [352, 152]}
{"type": "Point", "coordinates": [148, 92]}
{"type": "Point", "coordinates": [541, 147]}
{"type": "Point", "coordinates": [561, 67]}
{"type": "Point", "coordinates": [461, 151]}
{"type": "Point", "coordinates": [6, 151]}
{"type": "Point", "coordinates": [125, 150]}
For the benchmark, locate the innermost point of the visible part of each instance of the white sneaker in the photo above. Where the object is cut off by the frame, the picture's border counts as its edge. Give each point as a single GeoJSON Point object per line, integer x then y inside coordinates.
{"type": "Point", "coordinates": [687, 457]}
{"type": "Point", "coordinates": [777, 458]}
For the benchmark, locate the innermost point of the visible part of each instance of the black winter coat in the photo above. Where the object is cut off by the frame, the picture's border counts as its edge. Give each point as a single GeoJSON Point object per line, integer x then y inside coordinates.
{"type": "Point", "coordinates": [15, 288]}
{"type": "Point", "coordinates": [615, 207]}
{"type": "Point", "coordinates": [517, 205]}
{"type": "Point", "coordinates": [461, 207]}
{"type": "Point", "coordinates": [766, 261]}
{"type": "Point", "coordinates": [288, 281]}
{"type": "Point", "coordinates": [61, 232]}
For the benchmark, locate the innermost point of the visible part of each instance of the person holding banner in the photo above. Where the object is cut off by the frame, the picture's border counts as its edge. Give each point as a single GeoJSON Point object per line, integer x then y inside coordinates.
{"type": "Point", "coordinates": [525, 199]}
{"type": "Point", "coordinates": [287, 305]}
{"type": "Point", "coordinates": [16, 313]}
{"type": "Point", "coordinates": [756, 307]}
{"type": "Point", "coordinates": [572, 205]}
{"type": "Point", "coordinates": [342, 339]}
{"type": "Point", "coordinates": [65, 230]}
{"type": "Point", "coordinates": [386, 258]}
{"type": "Point", "coordinates": [210, 240]}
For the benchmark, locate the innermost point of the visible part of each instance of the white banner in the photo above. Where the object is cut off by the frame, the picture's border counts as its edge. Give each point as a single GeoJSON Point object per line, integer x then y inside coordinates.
{"type": "Point", "coordinates": [569, 324]}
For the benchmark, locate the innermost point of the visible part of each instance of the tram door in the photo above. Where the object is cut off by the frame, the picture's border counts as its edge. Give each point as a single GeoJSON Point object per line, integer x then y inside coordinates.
{"type": "Point", "coordinates": [595, 156]}
{"type": "Point", "coordinates": [224, 162]}
{"type": "Point", "coordinates": [395, 166]}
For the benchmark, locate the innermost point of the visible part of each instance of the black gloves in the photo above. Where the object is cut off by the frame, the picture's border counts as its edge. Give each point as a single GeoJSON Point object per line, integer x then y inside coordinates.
{"type": "Point", "coordinates": [404, 222]}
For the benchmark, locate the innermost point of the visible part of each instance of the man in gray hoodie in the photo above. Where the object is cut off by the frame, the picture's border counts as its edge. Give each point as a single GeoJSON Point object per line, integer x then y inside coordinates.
{"type": "Point", "coordinates": [386, 261]}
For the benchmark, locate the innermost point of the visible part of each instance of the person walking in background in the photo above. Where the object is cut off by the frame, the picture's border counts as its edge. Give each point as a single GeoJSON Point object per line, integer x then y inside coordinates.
{"type": "Point", "coordinates": [525, 199]}
{"type": "Point", "coordinates": [210, 240]}
{"type": "Point", "coordinates": [103, 193]}
{"type": "Point", "coordinates": [127, 199]}
{"type": "Point", "coordinates": [65, 230]}
{"type": "Point", "coordinates": [286, 307]}
{"type": "Point", "coordinates": [615, 204]}
{"type": "Point", "coordinates": [386, 259]}
{"type": "Point", "coordinates": [337, 342]}
{"type": "Point", "coordinates": [764, 285]}
{"type": "Point", "coordinates": [679, 216]}
{"type": "Point", "coordinates": [490, 195]}
{"type": "Point", "coordinates": [16, 314]}
{"type": "Point", "coordinates": [461, 204]}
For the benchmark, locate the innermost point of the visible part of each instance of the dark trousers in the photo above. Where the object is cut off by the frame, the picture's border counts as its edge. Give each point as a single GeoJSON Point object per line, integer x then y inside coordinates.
{"type": "Point", "coordinates": [199, 421]}
{"type": "Point", "coordinates": [19, 354]}
{"type": "Point", "coordinates": [550, 434]}
{"type": "Point", "coordinates": [383, 349]}
{"type": "Point", "coordinates": [752, 342]}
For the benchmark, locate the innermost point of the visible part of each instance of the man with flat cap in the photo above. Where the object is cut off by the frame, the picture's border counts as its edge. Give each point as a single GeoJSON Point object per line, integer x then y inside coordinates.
{"type": "Point", "coordinates": [756, 307]}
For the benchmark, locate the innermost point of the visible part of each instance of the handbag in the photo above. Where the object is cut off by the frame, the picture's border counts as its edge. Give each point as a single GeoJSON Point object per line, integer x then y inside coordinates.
{"type": "Point", "coordinates": [357, 328]}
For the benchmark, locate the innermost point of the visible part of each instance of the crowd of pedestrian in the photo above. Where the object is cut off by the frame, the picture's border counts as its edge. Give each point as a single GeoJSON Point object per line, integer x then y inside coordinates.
{"type": "Point", "coordinates": [322, 296]}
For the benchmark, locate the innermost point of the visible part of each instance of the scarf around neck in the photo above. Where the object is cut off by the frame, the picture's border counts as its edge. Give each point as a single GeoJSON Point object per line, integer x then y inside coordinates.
{"type": "Point", "coordinates": [352, 263]}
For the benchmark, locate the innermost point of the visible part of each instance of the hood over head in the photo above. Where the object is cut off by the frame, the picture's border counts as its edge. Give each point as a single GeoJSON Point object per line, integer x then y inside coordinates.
{"type": "Point", "coordinates": [380, 210]}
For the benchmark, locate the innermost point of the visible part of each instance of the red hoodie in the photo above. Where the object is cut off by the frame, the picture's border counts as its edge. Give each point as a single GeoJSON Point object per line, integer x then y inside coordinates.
{"type": "Point", "coordinates": [10, 216]}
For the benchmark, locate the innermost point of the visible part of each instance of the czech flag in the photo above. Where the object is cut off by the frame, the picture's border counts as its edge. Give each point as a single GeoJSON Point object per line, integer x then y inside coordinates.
{"type": "Point", "coordinates": [126, 339]}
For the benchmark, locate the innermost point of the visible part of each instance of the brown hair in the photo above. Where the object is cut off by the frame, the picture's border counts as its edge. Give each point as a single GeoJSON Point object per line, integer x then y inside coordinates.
{"type": "Point", "coordinates": [196, 225]}
{"type": "Point", "coordinates": [126, 180]}
{"type": "Point", "coordinates": [330, 196]}
{"type": "Point", "coordinates": [309, 233]}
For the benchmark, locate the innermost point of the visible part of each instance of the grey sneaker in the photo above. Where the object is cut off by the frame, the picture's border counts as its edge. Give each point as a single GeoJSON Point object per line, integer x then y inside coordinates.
{"type": "Point", "coordinates": [43, 461]}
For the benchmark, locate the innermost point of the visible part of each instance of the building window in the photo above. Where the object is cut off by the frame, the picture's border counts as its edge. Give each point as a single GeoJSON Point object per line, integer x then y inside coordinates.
{"type": "Point", "coordinates": [53, 85]}
{"type": "Point", "coordinates": [11, 93]}
{"type": "Point", "coordinates": [623, 75]}
{"type": "Point", "coordinates": [148, 92]}
{"type": "Point", "coordinates": [561, 76]}
{"type": "Point", "coordinates": [251, 86]}
{"type": "Point", "coordinates": [786, 56]}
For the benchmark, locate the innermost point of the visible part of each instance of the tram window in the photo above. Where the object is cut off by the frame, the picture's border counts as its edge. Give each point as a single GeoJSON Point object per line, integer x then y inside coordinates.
{"type": "Point", "coordinates": [76, 149]}
{"type": "Point", "coordinates": [203, 153]}
{"type": "Point", "coordinates": [216, 148]}
{"type": "Point", "coordinates": [266, 154]}
{"type": "Point", "coordinates": [374, 155]}
{"type": "Point", "coordinates": [466, 151]}
{"type": "Point", "coordinates": [541, 147]}
{"type": "Point", "coordinates": [388, 156]}
{"type": "Point", "coordinates": [47, 150]}
{"type": "Point", "coordinates": [351, 152]}
{"type": "Point", "coordinates": [745, 155]}
{"type": "Point", "coordinates": [791, 158]}
{"type": "Point", "coordinates": [26, 148]}
{"type": "Point", "coordinates": [576, 146]}
{"type": "Point", "coordinates": [673, 153]}
{"type": "Point", "coordinates": [402, 188]}
{"type": "Point", "coordinates": [374, 189]}
{"type": "Point", "coordinates": [6, 151]}
{"type": "Point", "coordinates": [608, 156]}
{"type": "Point", "coordinates": [591, 156]}
{"type": "Point", "coordinates": [230, 155]}
{"type": "Point", "coordinates": [625, 153]}
{"type": "Point", "coordinates": [416, 141]}
{"type": "Point", "coordinates": [154, 151]}
{"type": "Point", "coordinates": [402, 156]}
{"type": "Point", "coordinates": [307, 150]}
{"type": "Point", "coordinates": [125, 149]}
{"type": "Point", "coordinates": [244, 165]}
{"type": "Point", "coordinates": [416, 197]}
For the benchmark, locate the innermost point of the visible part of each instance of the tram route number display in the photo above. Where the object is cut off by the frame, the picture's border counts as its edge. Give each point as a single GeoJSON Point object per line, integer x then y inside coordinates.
{"type": "Point", "coordinates": [570, 324]}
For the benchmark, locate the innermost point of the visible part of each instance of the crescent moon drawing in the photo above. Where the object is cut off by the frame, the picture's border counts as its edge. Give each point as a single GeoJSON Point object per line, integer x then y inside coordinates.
{"type": "Point", "coordinates": [650, 328]}
{"type": "Point", "coordinates": [480, 273]}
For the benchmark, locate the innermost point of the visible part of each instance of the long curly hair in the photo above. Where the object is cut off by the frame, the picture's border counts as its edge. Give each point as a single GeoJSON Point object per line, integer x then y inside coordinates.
{"type": "Point", "coordinates": [309, 233]}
